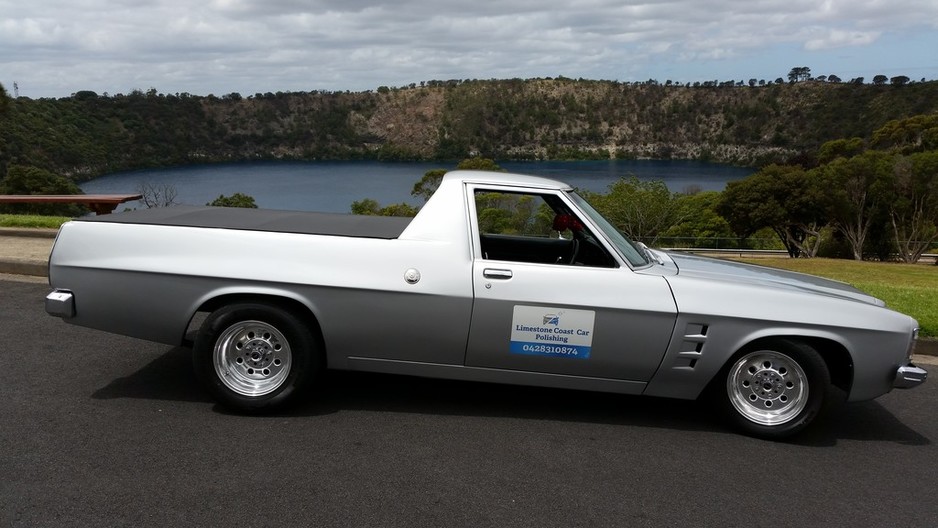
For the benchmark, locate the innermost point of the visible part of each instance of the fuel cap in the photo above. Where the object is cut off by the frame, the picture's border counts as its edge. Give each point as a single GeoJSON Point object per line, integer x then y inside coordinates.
{"type": "Point", "coordinates": [411, 276]}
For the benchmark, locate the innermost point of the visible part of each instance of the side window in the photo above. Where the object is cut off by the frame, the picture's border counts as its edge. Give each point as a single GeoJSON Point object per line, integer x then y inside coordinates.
{"type": "Point", "coordinates": [502, 213]}
{"type": "Point", "coordinates": [526, 227]}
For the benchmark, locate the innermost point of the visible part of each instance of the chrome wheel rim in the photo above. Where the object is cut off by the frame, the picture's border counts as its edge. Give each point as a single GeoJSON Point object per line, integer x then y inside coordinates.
{"type": "Point", "coordinates": [252, 358]}
{"type": "Point", "coordinates": [767, 387]}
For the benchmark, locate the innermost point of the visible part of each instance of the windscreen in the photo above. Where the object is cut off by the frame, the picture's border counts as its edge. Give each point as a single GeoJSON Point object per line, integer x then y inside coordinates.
{"type": "Point", "coordinates": [629, 249]}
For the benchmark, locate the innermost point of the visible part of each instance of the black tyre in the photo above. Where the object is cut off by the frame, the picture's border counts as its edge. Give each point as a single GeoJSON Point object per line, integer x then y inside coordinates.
{"type": "Point", "coordinates": [255, 357]}
{"type": "Point", "coordinates": [774, 390]}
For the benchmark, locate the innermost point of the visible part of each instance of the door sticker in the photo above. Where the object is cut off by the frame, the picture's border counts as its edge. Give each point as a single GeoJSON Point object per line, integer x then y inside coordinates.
{"type": "Point", "coordinates": [556, 332]}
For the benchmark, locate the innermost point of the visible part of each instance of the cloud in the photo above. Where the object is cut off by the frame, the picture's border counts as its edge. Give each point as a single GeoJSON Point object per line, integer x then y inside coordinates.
{"type": "Point", "coordinates": [57, 47]}
{"type": "Point", "coordinates": [837, 38]}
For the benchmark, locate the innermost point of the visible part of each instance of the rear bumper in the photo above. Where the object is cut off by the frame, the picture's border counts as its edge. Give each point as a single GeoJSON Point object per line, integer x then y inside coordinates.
{"type": "Point", "coordinates": [909, 376]}
{"type": "Point", "coordinates": [61, 303]}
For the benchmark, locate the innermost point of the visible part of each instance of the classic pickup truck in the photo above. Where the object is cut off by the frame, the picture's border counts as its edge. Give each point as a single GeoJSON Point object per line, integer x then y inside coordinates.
{"type": "Point", "coordinates": [499, 278]}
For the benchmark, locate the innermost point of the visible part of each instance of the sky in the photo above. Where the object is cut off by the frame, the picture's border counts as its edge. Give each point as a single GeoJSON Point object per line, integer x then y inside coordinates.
{"type": "Point", "coordinates": [52, 48]}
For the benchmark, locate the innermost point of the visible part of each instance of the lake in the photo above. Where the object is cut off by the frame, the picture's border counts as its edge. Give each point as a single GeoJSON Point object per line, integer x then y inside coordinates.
{"type": "Point", "coordinates": [332, 186]}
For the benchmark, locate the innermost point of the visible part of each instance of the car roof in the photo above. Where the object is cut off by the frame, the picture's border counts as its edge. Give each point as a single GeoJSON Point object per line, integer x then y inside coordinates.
{"type": "Point", "coordinates": [505, 178]}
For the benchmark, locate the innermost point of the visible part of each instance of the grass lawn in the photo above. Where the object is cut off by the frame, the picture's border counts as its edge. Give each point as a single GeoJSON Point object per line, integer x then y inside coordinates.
{"type": "Point", "coordinates": [908, 288]}
{"type": "Point", "coordinates": [9, 220]}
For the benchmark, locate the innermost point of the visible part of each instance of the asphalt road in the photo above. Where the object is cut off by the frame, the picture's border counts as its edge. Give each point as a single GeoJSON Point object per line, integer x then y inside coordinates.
{"type": "Point", "coordinates": [102, 430]}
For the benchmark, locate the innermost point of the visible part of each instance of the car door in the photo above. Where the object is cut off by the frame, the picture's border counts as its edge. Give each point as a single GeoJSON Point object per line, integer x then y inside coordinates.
{"type": "Point", "coordinates": [594, 317]}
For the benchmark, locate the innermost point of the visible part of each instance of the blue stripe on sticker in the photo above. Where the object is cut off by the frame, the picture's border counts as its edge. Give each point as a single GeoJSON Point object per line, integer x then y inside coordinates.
{"type": "Point", "coordinates": [543, 349]}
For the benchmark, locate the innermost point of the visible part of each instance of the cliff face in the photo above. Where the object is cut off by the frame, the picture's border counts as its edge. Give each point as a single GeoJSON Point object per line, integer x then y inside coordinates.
{"type": "Point", "coordinates": [86, 134]}
{"type": "Point", "coordinates": [409, 119]}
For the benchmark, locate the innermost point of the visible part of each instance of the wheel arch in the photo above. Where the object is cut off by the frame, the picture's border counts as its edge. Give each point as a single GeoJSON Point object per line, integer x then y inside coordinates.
{"type": "Point", "coordinates": [282, 301]}
{"type": "Point", "coordinates": [838, 359]}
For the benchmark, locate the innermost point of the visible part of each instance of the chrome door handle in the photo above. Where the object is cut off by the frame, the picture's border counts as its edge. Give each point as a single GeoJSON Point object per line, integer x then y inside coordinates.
{"type": "Point", "coordinates": [500, 274]}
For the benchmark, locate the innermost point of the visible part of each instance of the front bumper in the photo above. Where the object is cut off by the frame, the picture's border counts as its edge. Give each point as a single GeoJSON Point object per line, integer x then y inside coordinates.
{"type": "Point", "coordinates": [909, 376]}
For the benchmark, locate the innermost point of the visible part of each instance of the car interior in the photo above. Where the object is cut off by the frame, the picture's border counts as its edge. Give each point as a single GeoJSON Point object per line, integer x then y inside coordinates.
{"type": "Point", "coordinates": [536, 229]}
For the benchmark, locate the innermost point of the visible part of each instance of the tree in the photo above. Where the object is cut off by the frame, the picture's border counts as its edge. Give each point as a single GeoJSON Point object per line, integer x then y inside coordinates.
{"type": "Point", "coordinates": [479, 164]}
{"type": "Point", "coordinates": [914, 134]}
{"type": "Point", "coordinates": [833, 79]}
{"type": "Point", "coordinates": [786, 199]}
{"type": "Point", "coordinates": [4, 99]}
{"type": "Point", "coordinates": [513, 214]}
{"type": "Point", "coordinates": [913, 204]}
{"type": "Point", "coordinates": [432, 178]}
{"type": "Point", "coordinates": [699, 224]}
{"type": "Point", "coordinates": [157, 195]}
{"type": "Point", "coordinates": [856, 197]}
{"type": "Point", "coordinates": [840, 148]}
{"type": "Point", "coordinates": [33, 180]}
{"type": "Point", "coordinates": [643, 210]}
{"type": "Point", "coordinates": [4, 107]}
{"type": "Point", "coordinates": [85, 95]}
{"type": "Point", "coordinates": [428, 184]}
{"type": "Point", "coordinates": [22, 179]}
{"type": "Point", "coordinates": [880, 80]}
{"type": "Point", "coordinates": [799, 73]}
{"type": "Point", "coordinates": [235, 200]}
{"type": "Point", "coordinates": [371, 207]}
{"type": "Point", "coordinates": [899, 80]}
{"type": "Point", "coordinates": [398, 209]}
{"type": "Point", "coordinates": [366, 206]}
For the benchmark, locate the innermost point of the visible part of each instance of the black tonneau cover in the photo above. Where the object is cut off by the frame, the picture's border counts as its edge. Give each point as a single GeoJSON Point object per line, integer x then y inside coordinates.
{"type": "Point", "coordinates": [263, 220]}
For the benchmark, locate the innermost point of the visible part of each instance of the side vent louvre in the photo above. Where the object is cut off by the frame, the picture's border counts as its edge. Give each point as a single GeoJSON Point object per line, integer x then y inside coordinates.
{"type": "Point", "coordinates": [695, 335]}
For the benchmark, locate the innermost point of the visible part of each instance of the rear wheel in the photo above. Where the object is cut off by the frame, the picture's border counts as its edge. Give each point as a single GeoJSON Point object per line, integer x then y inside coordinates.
{"type": "Point", "coordinates": [254, 356]}
{"type": "Point", "coordinates": [774, 390]}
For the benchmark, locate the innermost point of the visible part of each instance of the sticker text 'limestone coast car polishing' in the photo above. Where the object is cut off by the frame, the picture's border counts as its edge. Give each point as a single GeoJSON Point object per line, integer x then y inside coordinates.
{"type": "Point", "coordinates": [542, 331]}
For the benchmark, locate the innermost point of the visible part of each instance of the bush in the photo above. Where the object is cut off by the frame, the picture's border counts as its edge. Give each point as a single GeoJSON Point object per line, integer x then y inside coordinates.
{"type": "Point", "coordinates": [26, 180]}
{"type": "Point", "coordinates": [235, 200]}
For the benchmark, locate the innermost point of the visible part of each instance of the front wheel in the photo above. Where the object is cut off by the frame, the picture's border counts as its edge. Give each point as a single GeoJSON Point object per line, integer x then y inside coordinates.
{"type": "Point", "coordinates": [774, 390]}
{"type": "Point", "coordinates": [255, 357]}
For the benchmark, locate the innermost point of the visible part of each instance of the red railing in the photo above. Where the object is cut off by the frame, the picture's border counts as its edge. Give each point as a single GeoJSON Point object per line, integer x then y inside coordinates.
{"type": "Point", "coordinates": [99, 203]}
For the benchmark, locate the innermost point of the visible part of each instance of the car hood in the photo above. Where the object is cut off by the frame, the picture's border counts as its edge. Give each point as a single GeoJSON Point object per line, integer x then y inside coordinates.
{"type": "Point", "coordinates": [728, 271]}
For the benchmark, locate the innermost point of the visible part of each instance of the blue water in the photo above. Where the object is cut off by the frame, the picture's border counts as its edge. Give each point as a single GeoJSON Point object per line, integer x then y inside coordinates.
{"type": "Point", "coordinates": [333, 186]}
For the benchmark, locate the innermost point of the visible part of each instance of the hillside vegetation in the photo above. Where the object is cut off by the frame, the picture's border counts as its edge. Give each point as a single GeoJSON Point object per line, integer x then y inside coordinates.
{"type": "Point", "coordinates": [88, 134]}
